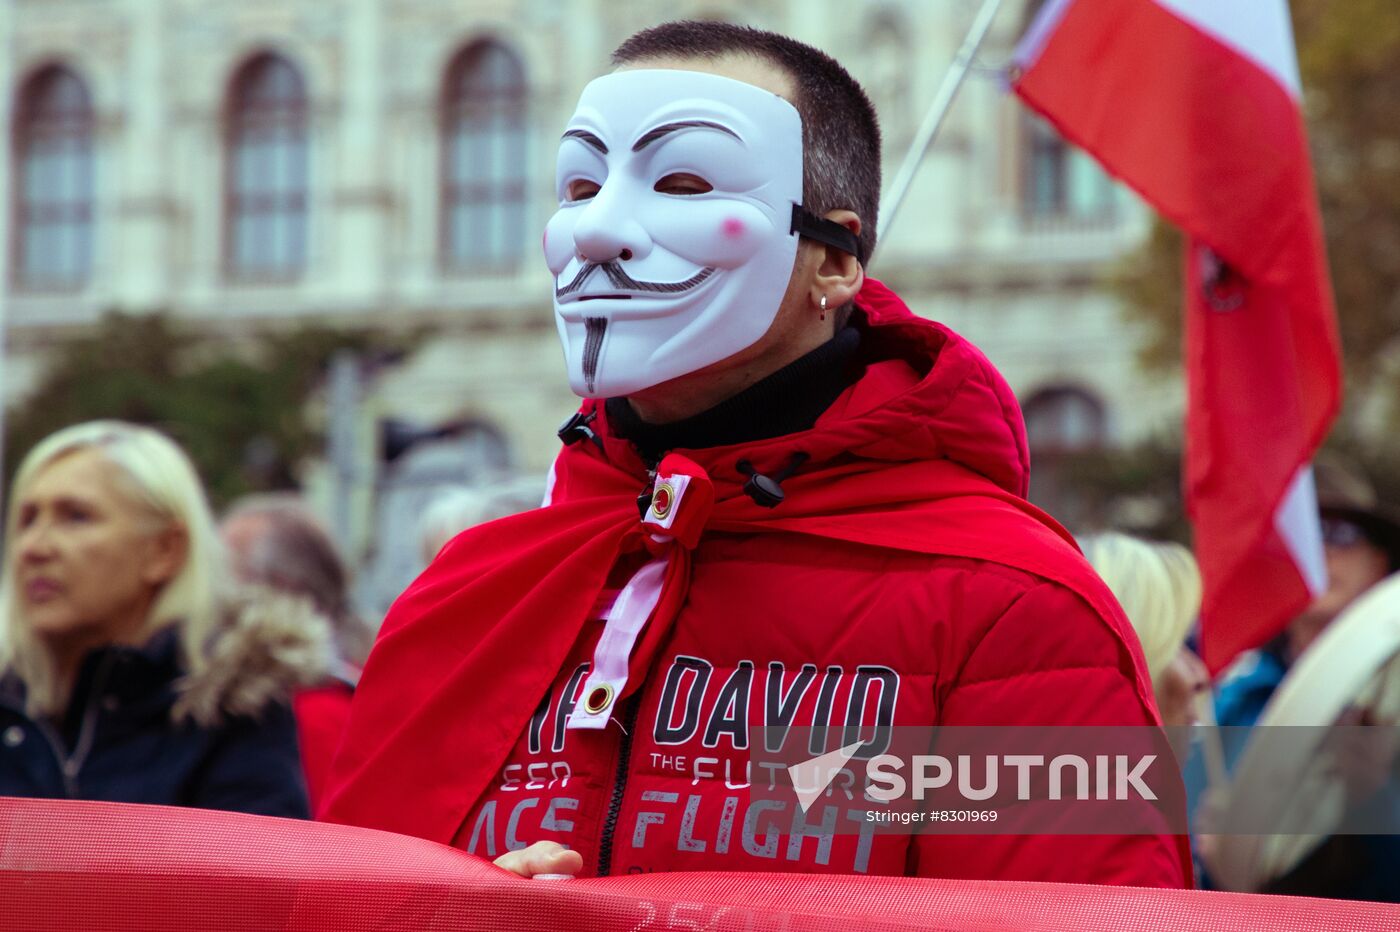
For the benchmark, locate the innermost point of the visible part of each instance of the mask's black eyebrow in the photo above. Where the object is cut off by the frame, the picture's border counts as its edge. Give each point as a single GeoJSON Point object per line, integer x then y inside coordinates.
{"type": "Point", "coordinates": [666, 129]}
{"type": "Point", "coordinates": [585, 136]}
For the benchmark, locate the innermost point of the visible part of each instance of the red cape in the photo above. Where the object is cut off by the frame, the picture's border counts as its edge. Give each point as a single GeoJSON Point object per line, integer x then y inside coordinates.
{"type": "Point", "coordinates": [468, 650]}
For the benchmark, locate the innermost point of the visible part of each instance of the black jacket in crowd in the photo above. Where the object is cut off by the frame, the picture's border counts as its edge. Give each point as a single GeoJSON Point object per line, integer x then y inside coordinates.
{"type": "Point", "coordinates": [136, 730]}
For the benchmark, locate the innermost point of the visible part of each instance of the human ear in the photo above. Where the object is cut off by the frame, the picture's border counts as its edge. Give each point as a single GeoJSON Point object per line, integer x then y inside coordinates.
{"type": "Point", "coordinates": [168, 550]}
{"type": "Point", "coordinates": [839, 275]}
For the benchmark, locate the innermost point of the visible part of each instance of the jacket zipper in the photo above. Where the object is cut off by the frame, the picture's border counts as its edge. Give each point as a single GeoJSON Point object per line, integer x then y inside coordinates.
{"type": "Point", "coordinates": [624, 755]}
{"type": "Point", "coordinates": [72, 764]}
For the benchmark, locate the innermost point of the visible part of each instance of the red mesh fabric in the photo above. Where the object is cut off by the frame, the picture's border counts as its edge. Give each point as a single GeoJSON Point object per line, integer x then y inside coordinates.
{"type": "Point", "coordinates": [79, 865]}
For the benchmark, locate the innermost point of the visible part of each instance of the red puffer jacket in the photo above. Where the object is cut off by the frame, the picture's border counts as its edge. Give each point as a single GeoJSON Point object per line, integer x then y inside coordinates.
{"type": "Point", "coordinates": [904, 563]}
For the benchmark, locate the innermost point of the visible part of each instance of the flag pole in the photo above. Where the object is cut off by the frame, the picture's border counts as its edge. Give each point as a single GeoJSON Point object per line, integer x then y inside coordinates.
{"type": "Point", "coordinates": [933, 120]}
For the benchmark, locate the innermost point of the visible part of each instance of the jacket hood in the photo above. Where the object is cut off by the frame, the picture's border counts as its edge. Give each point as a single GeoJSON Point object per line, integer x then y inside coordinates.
{"type": "Point", "coordinates": [949, 403]}
{"type": "Point", "coordinates": [927, 394]}
{"type": "Point", "coordinates": [267, 645]}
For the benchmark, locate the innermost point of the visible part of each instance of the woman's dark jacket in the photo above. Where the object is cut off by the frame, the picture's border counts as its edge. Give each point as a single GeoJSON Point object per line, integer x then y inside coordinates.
{"type": "Point", "coordinates": [138, 730]}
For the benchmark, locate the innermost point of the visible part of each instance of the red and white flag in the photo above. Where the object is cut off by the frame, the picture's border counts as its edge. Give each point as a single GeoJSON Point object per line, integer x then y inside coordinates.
{"type": "Point", "coordinates": [1195, 104]}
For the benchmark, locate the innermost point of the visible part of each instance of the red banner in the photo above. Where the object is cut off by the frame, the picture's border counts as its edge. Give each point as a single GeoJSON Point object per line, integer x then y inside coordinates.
{"type": "Point", "coordinates": [81, 865]}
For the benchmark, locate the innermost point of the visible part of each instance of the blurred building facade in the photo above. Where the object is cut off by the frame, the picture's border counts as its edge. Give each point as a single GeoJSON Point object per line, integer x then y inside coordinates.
{"type": "Point", "coordinates": [251, 164]}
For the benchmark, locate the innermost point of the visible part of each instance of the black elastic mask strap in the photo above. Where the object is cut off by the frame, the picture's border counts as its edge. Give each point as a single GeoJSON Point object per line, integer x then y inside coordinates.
{"type": "Point", "coordinates": [805, 223]}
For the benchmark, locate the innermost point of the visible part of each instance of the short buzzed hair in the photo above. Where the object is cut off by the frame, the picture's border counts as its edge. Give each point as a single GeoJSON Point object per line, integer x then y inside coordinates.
{"type": "Point", "coordinates": [840, 132]}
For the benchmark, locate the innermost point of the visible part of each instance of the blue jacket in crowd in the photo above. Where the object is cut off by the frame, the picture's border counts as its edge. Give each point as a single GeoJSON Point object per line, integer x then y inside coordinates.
{"type": "Point", "coordinates": [135, 731]}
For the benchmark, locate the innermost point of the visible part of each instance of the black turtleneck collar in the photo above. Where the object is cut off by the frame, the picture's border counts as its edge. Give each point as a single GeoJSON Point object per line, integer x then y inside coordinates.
{"type": "Point", "coordinates": [785, 402]}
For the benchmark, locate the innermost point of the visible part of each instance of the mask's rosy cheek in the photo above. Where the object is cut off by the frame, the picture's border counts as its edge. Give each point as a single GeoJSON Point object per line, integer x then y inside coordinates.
{"type": "Point", "coordinates": [712, 232]}
{"type": "Point", "coordinates": [737, 233]}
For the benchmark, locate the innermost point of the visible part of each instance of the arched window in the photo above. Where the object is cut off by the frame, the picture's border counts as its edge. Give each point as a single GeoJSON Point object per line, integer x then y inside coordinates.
{"type": "Point", "coordinates": [1061, 182]}
{"type": "Point", "coordinates": [54, 187]}
{"type": "Point", "coordinates": [1061, 186]}
{"type": "Point", "coordinates": [1064, 420]}
{"type": "Point", "coordinates": [418, 462]}
{"type": "Point", "coordinates": [1063, 423]}
{"type": "Point", "coordinates": [483, 159]}
{"type": "Point", "coordinates": [266, 172]}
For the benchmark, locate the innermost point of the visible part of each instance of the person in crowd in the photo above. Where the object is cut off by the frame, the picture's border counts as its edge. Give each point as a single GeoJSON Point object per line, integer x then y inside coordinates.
{"type": "Point", "coordinates": [456, 508]}
{"type": "Point", "coordinates": [1361, 542]}
{"type": "Point", "coordinates": [785, 499]}
{"type": "Point", "coordinates": [130, 671]}
{"type": "Point", "coordinates": [275, 541]}
{"type": "Point", "coordinates": [1159, 586]}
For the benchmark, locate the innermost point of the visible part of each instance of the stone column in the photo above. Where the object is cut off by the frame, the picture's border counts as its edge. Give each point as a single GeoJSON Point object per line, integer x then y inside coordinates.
{"type": "Point", "coordinates": [7, 94]}
{"type": "Point", "coordinates": [362, 201]}
{"type": "Point", "coordinates": [145, 213]}
{"type": "Point", "coordinates": [8, 87]}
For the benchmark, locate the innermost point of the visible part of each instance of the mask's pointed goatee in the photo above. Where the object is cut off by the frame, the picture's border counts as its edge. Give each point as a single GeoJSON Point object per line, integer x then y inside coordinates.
{"type": "Point", "coordinates": [592, 348]}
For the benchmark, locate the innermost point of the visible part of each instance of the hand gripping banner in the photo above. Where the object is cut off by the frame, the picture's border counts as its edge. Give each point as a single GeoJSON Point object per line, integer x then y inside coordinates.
{"type": "Point", "coordinates": [68, 865]}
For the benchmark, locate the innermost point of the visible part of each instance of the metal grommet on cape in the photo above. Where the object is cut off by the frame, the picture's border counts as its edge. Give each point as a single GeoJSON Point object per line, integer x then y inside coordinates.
{"type": "Point", "coordinates": [598, 699]}
{"type": "Point", "coordinates": [662, 498]}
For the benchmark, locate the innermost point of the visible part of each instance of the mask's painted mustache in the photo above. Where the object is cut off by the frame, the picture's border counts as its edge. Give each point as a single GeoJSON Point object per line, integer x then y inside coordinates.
{"type": "Point", "coordinates": [624, 282]}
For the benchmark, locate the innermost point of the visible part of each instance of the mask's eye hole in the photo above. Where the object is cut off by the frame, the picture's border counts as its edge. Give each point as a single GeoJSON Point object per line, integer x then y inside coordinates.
{"type": "Point", "coordinates": [581, 189]}
{"type": "Point", "coordinates": [683, 183]}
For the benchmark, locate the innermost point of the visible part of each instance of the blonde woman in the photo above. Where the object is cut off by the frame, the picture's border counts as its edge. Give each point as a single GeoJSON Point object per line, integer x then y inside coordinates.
{"type": "Point", "coordinates": [1159, 586]}
{"type": "Point", "coordinates": [128, 670]}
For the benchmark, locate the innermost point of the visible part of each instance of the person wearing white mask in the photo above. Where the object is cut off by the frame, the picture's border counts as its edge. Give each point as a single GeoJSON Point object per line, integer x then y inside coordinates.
{"type": "Point", "coordinates": [785, 500]}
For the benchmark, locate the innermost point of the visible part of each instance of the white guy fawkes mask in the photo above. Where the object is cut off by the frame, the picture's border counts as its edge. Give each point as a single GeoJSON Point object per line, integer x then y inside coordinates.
{"type": "Point", "coordinates": [655, 276]}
